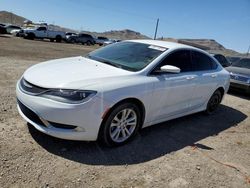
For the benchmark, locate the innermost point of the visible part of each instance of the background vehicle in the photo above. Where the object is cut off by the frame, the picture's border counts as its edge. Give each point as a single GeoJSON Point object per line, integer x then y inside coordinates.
{"type": "Point", "coordinates": [222, 60]}
{"type": "Point", "coordinates": [68, 34]}
{"type": "Point", "coordinates": [240, 75]}
{"type": "Point", "coordinates": [116, 90]}
{"type": "Point", "coordinates": [15, 32]}
{"type": "Point", "coordinates": [2, 29]}
{"type": "Point", "coordinates": [101, 40]}
{"type": "Point", "coordinates": [81, 38]}
{"type": "Point", "coordinates": [233, 59]}
{"type": "Point", "coordinates": [9, 28]}
{"type": "Point", "coordinates": [111, 41]}
{"type": "Point", "coordinates": [42, 32]}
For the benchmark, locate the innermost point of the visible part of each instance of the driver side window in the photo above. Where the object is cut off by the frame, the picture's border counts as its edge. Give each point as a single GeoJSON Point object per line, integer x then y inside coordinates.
{"type": "Point", "coordinates": [180, 59]}
{"type": "Point", "coordinates": [41, 29]}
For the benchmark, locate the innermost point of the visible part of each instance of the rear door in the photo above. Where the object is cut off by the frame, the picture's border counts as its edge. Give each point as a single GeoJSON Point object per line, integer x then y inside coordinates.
{"type": "Point", "coordinates": [83, 38]}
{"type": "Point", "coordinates": [205, 70]}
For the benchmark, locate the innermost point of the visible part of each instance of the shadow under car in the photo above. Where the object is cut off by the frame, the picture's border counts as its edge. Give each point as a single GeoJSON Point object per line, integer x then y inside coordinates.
{"type": "Point", "coordinates": [150, 143]}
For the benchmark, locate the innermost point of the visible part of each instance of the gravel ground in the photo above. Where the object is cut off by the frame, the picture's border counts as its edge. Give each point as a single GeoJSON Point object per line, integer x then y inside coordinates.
{"type": "Point", "coordinates": [193, 151]}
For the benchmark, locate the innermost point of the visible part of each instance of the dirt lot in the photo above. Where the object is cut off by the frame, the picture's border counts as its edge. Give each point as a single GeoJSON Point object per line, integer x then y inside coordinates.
{"type": "Point", "coordinates": [194, 151]}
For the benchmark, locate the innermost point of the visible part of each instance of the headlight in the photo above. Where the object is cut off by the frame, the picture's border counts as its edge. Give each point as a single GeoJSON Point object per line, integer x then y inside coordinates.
{"type": "Point", "coordinates": [68, 96]}
{"type": "Point", "coordinates": [248, 81]}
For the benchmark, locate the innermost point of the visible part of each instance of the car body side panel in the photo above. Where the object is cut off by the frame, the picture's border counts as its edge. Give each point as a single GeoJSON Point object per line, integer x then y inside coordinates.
{"type": "Point", "coordinates": [172, 95]}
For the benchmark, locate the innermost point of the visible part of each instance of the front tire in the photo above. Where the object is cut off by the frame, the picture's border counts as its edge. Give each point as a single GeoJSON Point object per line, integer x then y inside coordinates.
{"type": "Point", "coordinates": [88, 43]}
{"type": "Point", "coordinates": [31, 36]}
{"type": "Point", "coordinates": [58, 38]}
{"type": "Point", "coordinates": [121, 125]}
{"type": "Point", "coordinates": [213, 102]}
{"type": "Point", "coordinates": [72, 41]}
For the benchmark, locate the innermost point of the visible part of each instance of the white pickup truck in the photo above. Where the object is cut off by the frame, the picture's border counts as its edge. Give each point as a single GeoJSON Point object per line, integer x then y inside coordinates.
{"type": "Point", "coordinates": [42, 32]}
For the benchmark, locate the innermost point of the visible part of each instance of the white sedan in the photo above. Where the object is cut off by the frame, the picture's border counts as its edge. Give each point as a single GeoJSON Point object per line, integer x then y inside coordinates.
{"type": "Point", "coordinates": [114, 91]}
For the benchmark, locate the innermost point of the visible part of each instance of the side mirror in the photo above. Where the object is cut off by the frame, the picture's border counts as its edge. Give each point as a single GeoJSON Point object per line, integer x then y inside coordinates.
{"type": "Point", "coordinates": [170, 69]}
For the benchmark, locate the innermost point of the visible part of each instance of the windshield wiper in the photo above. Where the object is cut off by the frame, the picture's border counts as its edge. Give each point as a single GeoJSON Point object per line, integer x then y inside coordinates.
{"type": "Point", "coordinates": [104, 61]}
{"type": "Point", "coordinates": [112, 64]}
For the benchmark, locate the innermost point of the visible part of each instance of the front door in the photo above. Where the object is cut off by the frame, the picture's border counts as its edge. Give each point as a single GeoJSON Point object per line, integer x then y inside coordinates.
{"type": "Point", "coordinates": [173, 92]}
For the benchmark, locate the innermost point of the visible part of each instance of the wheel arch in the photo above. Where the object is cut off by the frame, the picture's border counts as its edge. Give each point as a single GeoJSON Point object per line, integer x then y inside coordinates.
{"type": "Point", "coordinates": [221, 89]}
{"type": "Point", "coordinates": [31, 34]}
{"type": "Point", "coordinates": [133, 100]}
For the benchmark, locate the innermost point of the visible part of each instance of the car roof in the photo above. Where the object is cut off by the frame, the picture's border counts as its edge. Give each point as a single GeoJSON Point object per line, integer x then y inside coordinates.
{"type": "Point", "coordinates": [164, 44]}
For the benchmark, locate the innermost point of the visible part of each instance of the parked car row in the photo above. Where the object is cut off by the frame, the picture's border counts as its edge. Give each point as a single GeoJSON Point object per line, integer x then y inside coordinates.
{"type": "Point", "coordinates": [239, 69]}
{"type": "Point", "coordinates": [88, 39]}
{"type": "Point", "coordinates": [44, 32]}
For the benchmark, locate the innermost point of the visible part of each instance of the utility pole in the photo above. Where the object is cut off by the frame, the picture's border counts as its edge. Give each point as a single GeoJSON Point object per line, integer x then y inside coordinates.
{"type": "Point", "coordinates": [156, 28]}
{"type": "Point", "coordinates": [11, 17]}
{"type": "Point", "coordinates": [248, 50]}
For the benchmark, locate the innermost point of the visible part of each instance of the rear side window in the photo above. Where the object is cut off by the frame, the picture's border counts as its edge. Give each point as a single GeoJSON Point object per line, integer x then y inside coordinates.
{"type": "Point", "coordinates": [180, 59]}
{"type": "Point", "coordinates": [86, 35]}
{"type": "Point", "coordinates": [41, 29]}
{"type": "Point", "coordinates": [222, 60]}
{"type": "Point", "coordinates": [202, 62]}
{"type": "Point", "coordinates": [102, 38]}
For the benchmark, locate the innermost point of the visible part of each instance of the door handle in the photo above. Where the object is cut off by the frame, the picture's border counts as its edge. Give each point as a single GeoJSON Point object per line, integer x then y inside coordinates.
{"type": "Point", "coordinates": [213, 75]}
{"type": "Point", "coordinates": [190, 77]}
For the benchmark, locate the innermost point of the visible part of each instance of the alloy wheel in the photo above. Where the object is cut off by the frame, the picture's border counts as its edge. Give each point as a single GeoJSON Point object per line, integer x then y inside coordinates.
{"type": "Point", "coordinates": [123, 125]}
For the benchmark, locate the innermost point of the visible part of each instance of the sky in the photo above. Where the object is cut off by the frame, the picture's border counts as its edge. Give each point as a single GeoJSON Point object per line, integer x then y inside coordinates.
{"type": "Point", "coordinates": [226, 21]}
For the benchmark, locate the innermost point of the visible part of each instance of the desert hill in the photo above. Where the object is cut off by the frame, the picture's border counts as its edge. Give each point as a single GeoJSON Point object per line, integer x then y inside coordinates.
{"type": "Point", "coordinates": [209, 45]}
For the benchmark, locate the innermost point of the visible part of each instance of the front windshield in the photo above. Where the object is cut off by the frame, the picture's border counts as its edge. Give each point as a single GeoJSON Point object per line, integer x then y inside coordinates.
{"type": "Point", "coordinates": [244, 63]}
{"type": "Point", "coordinates": [126, 55]}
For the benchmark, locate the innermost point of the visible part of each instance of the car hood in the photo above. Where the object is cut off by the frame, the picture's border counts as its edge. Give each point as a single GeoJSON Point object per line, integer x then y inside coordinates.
{"type": "Point", "coordinates": [72, 73]}
{"type": "Point", "coordinates": [238, 70]}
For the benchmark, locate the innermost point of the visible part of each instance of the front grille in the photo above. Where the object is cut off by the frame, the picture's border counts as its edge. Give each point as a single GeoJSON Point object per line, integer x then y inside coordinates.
{"type": "Point", "coordinates": [239, 77]}
{"type": "Point", "coordinates": [31, 88]}
{"type": "Point", "coordinates": [29, 113]}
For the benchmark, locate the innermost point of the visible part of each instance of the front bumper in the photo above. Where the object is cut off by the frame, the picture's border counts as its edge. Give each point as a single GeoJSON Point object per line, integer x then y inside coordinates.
{"type": "Point", "coordinates": [240, 85]}
{"type": "Point", "coordinates": [83, 119]}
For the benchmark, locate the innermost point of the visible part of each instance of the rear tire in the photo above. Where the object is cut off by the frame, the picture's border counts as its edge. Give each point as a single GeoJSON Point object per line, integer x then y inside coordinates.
{"type": "Point", "coordinates": [213, 102]}
{"type": "Point", "coordinates": [120, 125]}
